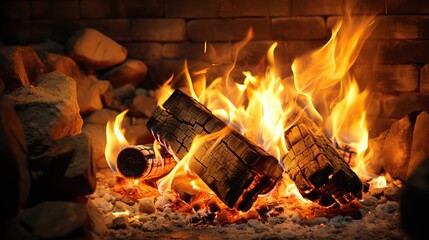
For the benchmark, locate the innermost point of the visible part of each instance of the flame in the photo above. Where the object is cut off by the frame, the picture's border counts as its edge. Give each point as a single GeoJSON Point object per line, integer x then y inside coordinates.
{"type": "Point", "coordinates": [123, 213]}
{"type": "Point", "coordinates": [379, 182]}
{"type": "Point", "coordinates": [115, 140]}
{"type": "Point", "coordinates": [347, 123]}
{"type": "Point", "coordinates": [182, 168]}
{"type": "Point", "coordinates": [260, 105]}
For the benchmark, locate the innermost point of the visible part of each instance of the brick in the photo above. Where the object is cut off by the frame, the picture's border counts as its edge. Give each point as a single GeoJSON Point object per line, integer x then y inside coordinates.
{"type": "Point", "coordinates": [59, 30]}
{"type": "Point", "coordinates": [406, 7]}
{"type": "Point", "coordinates": [163, 30]}
{"type": "Point", "coordinates": [210, 30]}
{"type": "Point", "coordinates": [255, 51]}
{"type": "Point", "coordinates": [215, 52]}
{"type": "Point", "coordinates": [298, 48]}
{"type": "Point", "coordinates": [153, 79]}
{"type": "Point", "coordinates": [424, 79]}
{"type": "Point", "coordinates": [298, 28]}
{"type": "Point", "coordinates": [389, 27]}
{"type": "Point", "coordinates": [366, 7]}
{"type": "Point", "coordinates": [54, 9]}
{"type": "Point", "coordinates": [15, 10]}
{"type": "Point", "coordinates": [377, 125]}
{"type": "Point", "coordinates": [18, 32]}
{"type": "Point", "coordinates": [424, 27]}
{"type": "Point", "coordinates": [373, 104]}
{"type": "Point", "coordinates": [396, 27]}
{"type": "Point", "coordinates": [144, 8]}
{"type": "Point", "coordinates": [227, 29]}
{"type": "Point", "coordinates": [389, 78]}
{"type": "Point", "coordinates": [315, 8]}
{"type": "Point", "coordinates": [191, 8]}
{"type": "Point", "coordinates": [397, 106]}
{"type": "Point", "coordinates": [117, 29]}
{"type": "Point", "coordinates": [143, 50]}
{"type": "Point", "coordinates": [254, 8]}
{"type": "Point", "coordinates": [102, 9]}
{"type": "Point", "coordinates": [260, 26]}
{"type": "Point", "coordinates": [394, 51]}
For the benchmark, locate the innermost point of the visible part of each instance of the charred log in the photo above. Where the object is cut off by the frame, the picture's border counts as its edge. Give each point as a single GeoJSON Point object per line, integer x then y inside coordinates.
{"type": "Point", "coordinates": [316, 167]}
{"type": "Point", "coordinates": [236, 169]}
{"type": "Point", "coordinates": [141, 162]}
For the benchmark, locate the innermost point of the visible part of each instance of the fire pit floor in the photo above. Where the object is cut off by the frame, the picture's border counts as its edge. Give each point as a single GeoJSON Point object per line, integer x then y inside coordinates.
{"type": "Point", "coordinates": [376, 216]}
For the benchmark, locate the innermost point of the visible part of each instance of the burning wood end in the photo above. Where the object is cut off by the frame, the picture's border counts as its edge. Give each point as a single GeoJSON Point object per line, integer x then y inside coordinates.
{"type": "Point", "coordinates": [317, 168]}
{"type": "Point", "coordinates": [141, 162]}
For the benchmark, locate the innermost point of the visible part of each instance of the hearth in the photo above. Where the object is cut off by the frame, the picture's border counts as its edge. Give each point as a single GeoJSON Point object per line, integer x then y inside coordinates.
{"type": "Point", "coordinates": [219, 119]}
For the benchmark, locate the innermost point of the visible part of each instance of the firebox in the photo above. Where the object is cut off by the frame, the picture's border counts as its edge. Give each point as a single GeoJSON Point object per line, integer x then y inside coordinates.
{"type": "Point", "coordinates": [216, 119]}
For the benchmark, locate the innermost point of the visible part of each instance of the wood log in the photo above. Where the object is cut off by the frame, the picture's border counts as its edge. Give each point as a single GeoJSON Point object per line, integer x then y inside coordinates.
{"type": "Point", "coordinates": [140, 162]}
{"type": "Point", "coordinates": [317, 169]}
{"type": "Point", "coordinates": [236, 169]}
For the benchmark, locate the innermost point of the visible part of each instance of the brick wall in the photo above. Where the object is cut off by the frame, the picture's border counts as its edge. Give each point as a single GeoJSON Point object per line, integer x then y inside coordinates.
{"type": "Point", "coordinates": [165, 32]}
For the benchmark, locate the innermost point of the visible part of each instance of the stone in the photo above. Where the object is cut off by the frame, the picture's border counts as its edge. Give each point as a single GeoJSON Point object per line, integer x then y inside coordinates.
{"type": "Point", "coordinates": [48, 109]}
{"type": "Point", "coordinates": [79, 178]}
{"type": "Point", "coordinates": [397, 146]}
{"type": "Point", "coordinates": [94, 50]}
{"type": "Point", "coordinates": [375, 147]}
{"type": "Point", "coordinates": [19, 66]}
{"type": "Point", "coordinates": [62, 169]}
{"type": "Point", "coordinates": [97, 134]}
{"type": "Point", "coordinates": [130, 72]}
{"type": "Point", "coordinates": [138, 134]}
{"type": "Point", "coordinates": [120, 222]}
{"type": "Point", "coordinates": [62, 64]}
{"type": "Point", "coordinates": [13, 150]}
{"type": "Point", "coordinates": [98, 225]}
{"type": "Point", "coordinates": [420, 144]}
{"type": "Point", "coordinates": [414, 199]}
{"type": "Point", "coordinates": [101, 116]}
{"type": "Point", "coordinates": [89, 91]}
{"type": "Point", "coordinates": [49, 46]}
{"type": "Point", "coordinates": [146, 205]}
{"type": "Point", "coordinates": [143, 106]}
{"type": "Point", "coordinates": [57, 220]}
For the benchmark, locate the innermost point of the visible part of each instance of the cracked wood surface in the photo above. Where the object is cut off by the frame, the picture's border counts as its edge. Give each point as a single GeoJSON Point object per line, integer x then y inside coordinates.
{"type": "Point", "coordinates": [236, 169]}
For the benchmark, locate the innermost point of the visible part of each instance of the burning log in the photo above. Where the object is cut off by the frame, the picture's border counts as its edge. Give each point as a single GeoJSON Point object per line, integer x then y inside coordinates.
{"type": "Point", "coordinates": [316, 167]}
{"type": "Point", "coordinates": [141, 162]}
{"type": "Point", "coordinates": [236, 169]}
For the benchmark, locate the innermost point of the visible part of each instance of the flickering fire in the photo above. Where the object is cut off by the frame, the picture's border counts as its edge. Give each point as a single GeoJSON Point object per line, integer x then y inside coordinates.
{"type": "Point", "coordinates": [259, 106]}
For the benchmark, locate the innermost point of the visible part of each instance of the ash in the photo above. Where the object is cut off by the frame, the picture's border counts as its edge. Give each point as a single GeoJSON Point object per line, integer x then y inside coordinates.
{"type": "Point", "coordinates": [150, 215]}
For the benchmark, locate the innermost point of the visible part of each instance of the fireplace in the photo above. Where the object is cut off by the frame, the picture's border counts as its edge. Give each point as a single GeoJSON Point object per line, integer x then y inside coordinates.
{"type": "Point", "coordinates": [222, 119]}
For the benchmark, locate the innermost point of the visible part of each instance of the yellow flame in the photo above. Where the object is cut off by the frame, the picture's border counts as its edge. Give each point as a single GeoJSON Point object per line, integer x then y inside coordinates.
{"type": "Point", "coordinates": [316, 72]}
{"type": "Point", "coordinates": [347, 123]}
{"type": "Point", "coordinates": [123, 213]}
{"type": "Point", "coordinates": [379, 182]}
{"type": "Point", "coordinates": [115, 140]}
{"type": "Point", "coordinates": [164, 184]}
{"type": "Point", "coordinates": [292, 190]}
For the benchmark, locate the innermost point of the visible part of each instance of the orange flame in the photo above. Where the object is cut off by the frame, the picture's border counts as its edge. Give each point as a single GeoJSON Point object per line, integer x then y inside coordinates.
{"type": "Point", "coordinates": [182, 168]}
{"type": "Point", "coordinates": [115, 140]}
